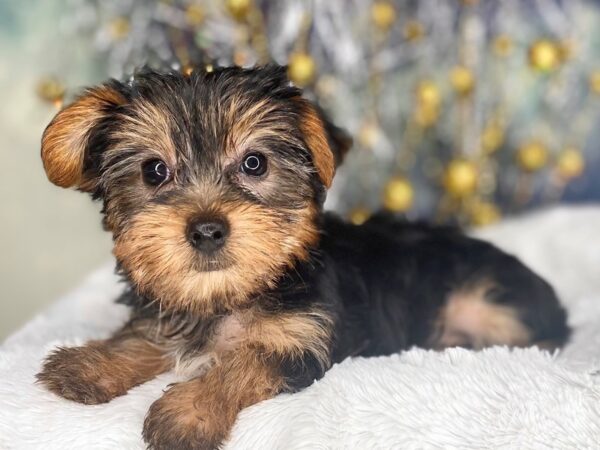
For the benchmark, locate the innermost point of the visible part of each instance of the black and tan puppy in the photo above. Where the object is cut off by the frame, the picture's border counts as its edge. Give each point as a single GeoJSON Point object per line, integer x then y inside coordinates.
{"type": "Point", "coordinates": [213, 185]}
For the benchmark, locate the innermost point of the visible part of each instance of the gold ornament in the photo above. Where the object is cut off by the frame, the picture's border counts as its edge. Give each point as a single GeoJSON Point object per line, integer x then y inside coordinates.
{"type": "Point", "coordinates": [460, 178]}
{"type": "Point", "coordinates": [194, 14]}
{"type": "Point", "coordinates": [462, 80]}
{"type": "Point", "coordinates": [484, 213]}
{"type": "Point", "coordinates": [502, 45]}
{"type": "Point", "coordinates": [51, 90]}
{"type": "Point", "coordinates": [545, 55]}
{"type": "Point", "coordinates": [595, 82]}
{"type": "Point", "coordinates": [428, 93]}
{"type": "Point", "coordinates": [413, 31]}
{"type": "Point", "coordinates": [532, 156]}
{"type": "Point", "coordinates": [359, 215]}
{"type": "Point", "coordinates": [301, 68]}
{"type": "Point", "coordinates": [398, 194]}
{"type": "Point", "coordinates": [426, 116]}
{"type": "Point", "coordinates": [570, 163]}
{"type": "Point", "coordinates": [119, 27]}
{"type": "Point", "coordinates": [492, 137]}
{"type": "Point", "coordinates": [239, 9]}
{"type": "Point", "coordinates": [427, 109]}
{"type": "Point", "coordinates": [369, 133]}
{"type": "Point", "coordinates": [383, 15]}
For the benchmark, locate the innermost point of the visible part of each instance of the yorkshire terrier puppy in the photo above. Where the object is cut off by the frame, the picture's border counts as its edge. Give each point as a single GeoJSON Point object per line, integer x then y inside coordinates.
{"type": "Point", "coordinates": [213, 185]}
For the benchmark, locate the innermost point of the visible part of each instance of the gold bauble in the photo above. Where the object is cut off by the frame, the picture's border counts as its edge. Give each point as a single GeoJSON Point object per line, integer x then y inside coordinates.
{"type": "Point", "coordinates": [426, 116]}
{"type": "Point", "coordinates": [398, 194]}
{"type": "Point", "coordinates": [492, 137]}
{"type": "Point", "coordinates": [462, 80]}
{"type": "Point", "coordinates": [413, 31]}
{"type": "Point", "coordinates": [502, 45]}
{"type": "Point", "coordinates": [570, 163]}
{"type": "Point", "coordinates": [359, 215]}
{"type": "Point", "coordinates": [301, 68]}
{"type": "Point", "coordinates": [383, 15]}
{"type": "Point", "coordinates": [51, 90]}
{"type": "Point", "coordinates": [595, 82]}
{"type": "Point", "coordinates": [460, 178]}
{"type": "Point", "coordinates": [368, 134]}
{"type": "Point", "coordinates": [427, 109]}
{"type": "Point", "coordinates": [194, 14]}
{"type": "Point", "coordinates": [428, 93]}
{"type": "Point", "coordinates": [532, 156]}
{"type": "Point", "coordinates": [119, 27]}
{"type": "Point", "coordinates": [239, 9]}
{"type": "Point", "coordinates": [545, 55]}
{"type": "Point", "coordinates": [484, 213]}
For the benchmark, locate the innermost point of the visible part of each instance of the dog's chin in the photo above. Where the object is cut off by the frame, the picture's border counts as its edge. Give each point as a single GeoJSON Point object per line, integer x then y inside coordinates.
{"type": "Point", "coordinates": [208, 264]}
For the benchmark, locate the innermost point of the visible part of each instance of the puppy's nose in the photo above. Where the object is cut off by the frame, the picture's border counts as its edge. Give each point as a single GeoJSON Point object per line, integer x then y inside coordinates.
{"type": "Point", "coordinates": [208, 235]}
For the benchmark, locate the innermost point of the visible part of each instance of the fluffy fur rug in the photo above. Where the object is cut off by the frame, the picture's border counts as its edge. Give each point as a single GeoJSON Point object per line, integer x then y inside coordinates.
{"type": "Point", "coordinates": [453, 399]}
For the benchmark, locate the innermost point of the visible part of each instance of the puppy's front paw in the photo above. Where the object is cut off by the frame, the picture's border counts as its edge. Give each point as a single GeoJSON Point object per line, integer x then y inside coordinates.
{"type": "Point", "coordinates": [179, 420]}
{"type": "Point", "coordinates": [81, 374]}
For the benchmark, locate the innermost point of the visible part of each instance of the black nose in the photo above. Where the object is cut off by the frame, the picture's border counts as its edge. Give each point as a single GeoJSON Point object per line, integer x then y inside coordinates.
{"type": "Point", "coordinates": [208, 235]}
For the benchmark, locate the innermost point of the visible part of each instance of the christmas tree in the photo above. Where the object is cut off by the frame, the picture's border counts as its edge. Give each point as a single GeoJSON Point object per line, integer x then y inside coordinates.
{"type": "Point", "coordinates": [461, 111]}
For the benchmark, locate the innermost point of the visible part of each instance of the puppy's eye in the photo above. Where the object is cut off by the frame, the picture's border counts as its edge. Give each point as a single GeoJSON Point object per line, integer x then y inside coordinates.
{"type": "Point", "coordinates": [254, 164]}
{"type": "Point", "coordinates": [155, 172]}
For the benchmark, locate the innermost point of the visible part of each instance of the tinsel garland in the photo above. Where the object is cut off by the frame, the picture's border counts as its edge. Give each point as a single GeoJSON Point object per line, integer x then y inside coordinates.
{"type": "Point", "coordinates": [461, 110]}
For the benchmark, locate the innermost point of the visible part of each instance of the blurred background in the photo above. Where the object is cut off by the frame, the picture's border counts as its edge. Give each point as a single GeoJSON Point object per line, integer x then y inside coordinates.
{"type": "Point", "coordinates": [462, 111]}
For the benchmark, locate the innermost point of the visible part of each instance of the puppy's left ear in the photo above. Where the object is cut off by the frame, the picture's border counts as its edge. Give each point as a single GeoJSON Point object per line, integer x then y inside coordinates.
{"type": "Point", "coordinates": [328, 143]}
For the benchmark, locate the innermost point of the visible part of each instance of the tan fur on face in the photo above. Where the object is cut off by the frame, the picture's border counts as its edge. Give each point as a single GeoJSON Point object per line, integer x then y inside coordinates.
{"type": "Point", "coordinates": [246, 127]}
{"type": "Point", "coordinates": [148, 127]}
{"type": "Point", "coordinates": [65, 138]}
{"type": "Point", "coordinates": [470, 319]}
{"type": "Point", "coordinates": [155, 252]}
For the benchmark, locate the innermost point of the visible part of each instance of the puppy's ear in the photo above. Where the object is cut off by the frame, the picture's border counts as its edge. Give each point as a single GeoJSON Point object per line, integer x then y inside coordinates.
{"type": "Point", "coordinates": [65, 140]}
{"type": "Point", "coordinates": [328, 143]}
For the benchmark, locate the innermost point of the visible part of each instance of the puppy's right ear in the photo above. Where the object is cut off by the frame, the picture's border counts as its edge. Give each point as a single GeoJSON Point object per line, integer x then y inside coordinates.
{"type": "Point", "coordinates": [65, 140]}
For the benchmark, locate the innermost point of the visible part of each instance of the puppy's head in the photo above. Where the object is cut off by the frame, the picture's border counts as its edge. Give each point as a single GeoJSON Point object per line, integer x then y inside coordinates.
{"type": "Point", "coordinates": [211, 182]}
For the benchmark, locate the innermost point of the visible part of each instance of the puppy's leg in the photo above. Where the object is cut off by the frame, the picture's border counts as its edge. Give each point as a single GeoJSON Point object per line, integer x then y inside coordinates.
{"type": "Point", "coordinates": [280, 355]}
{"type": "Point", "coordinates": [101, 370]}
{"type": "Point", "coordinates": [470, 318]}
{"type": "Point", "coordinates": [199, 413]}
{"type": "Point", "coordinates": [512, 307]}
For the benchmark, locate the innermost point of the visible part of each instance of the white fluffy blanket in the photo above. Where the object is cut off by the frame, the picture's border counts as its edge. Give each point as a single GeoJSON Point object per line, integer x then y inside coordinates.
{"type": "Point", "coordinates": [496, 398]}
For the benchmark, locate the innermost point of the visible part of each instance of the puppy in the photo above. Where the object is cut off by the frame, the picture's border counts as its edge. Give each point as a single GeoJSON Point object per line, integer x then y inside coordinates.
{"type": "Point", "coordinates": [213, 186]}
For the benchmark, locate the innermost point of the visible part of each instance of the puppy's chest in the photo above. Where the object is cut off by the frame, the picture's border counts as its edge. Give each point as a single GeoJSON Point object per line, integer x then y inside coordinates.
{"type": "Point", "coordinates": [229, 333]}
{"type": "Point", "coordinates": [204, 346]}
